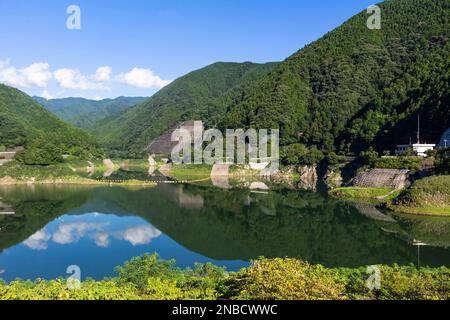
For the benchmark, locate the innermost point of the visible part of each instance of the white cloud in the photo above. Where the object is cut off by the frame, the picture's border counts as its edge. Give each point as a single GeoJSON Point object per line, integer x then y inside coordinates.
{"type": "Point", "coordinates": [75, 80]}
{"type": "Point", "coordinates": [102, 74]}
{"type": "Point", "coordinates": [46, 95]}
{"type": "Point", "coordinates": [142, 78]}
{"type": "Point", "coordinates": [68, 233]}
{"type": "Point", "coordinates": [139, 235]}
{"type": "Point", "coordinates": [101, 239]}
{"type": "Point", "coordinates": [35, 75]}
{"type": "Point", "coordinates": [38, 241]}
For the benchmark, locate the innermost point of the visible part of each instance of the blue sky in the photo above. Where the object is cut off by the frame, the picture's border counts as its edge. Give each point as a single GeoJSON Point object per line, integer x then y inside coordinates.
{"type": "Point", "coordinates": [133, 48]}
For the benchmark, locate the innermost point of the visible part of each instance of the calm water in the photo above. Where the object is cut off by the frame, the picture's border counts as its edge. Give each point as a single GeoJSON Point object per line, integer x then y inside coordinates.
{"type": "Point", "coordinates": [45, 229]}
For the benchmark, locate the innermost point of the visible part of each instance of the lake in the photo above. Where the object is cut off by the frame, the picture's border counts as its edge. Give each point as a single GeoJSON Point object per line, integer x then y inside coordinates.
{"type": "Point", "coordinates": [46, 229]}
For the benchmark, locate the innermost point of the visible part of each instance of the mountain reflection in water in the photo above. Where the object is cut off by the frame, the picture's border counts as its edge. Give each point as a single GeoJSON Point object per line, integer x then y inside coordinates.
{"type": "Point", "coordinates": [98, 228]}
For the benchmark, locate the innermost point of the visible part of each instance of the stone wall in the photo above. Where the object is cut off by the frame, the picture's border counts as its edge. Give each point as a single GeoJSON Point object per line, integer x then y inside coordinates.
{"type": "Point", "coordinates": [382, 178]}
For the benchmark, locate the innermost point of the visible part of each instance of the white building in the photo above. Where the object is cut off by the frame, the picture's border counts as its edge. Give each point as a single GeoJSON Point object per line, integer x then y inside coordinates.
{"type": "Point", "coordinates": [418, 148]}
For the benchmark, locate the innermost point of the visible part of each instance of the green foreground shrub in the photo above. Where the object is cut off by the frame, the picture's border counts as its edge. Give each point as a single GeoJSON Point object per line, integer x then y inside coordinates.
{"type": "Point", "coordinates": [151, 278]}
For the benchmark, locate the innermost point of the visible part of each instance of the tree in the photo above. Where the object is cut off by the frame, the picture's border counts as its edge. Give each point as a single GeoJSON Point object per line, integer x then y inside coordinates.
{"type": "Point", "coordinates": [297, 153]}
{"type": "Point", "coordinates": [293, 154]}
{"type": "Point", "coordinates": [41, 152]}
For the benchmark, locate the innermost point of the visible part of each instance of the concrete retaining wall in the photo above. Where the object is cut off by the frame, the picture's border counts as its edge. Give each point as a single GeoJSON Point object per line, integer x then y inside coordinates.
{"type": "Point", "coordinates": [382, 178]}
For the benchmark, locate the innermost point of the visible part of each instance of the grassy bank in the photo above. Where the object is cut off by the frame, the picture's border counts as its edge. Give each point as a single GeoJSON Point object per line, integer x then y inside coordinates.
{"type": "Point", "coordinates": [430, 196]}
{"type": "Point", "coordinates": [149, 278]}
{"type": "Point", "coordinates": [72, 172]}
{"type": "Point", "coordinates": [190, 172]}
{"type": "Point", "coordinates": [372, 195]}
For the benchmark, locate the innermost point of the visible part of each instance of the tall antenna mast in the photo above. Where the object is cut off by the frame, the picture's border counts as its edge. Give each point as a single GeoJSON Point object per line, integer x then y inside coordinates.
{"type": "Point", "coordinates": [418, 129]}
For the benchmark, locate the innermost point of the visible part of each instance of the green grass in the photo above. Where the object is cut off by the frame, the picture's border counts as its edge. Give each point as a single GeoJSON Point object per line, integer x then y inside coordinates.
{"type": "Point", "coordinates": [190, 172]}
{"type": "Point", "coordinates": [435, 211]}
{"type": "Point", "coordinates": [360, 193]}
{"type": "Point", "coordinates": [429, 196]}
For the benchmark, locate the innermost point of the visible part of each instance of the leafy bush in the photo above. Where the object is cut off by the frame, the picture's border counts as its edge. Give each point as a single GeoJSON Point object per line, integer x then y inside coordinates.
{"type": "Point", "coordinates": [285, 279]}
{"type": "Point", "coordinates": [58, 290]}
{"type": "Point", "coordinates": [139, 269]}
{"type": "Point", "coordinates": [299, 154]}
{"type": "Point", "coordinates": [369, 156]}
{"type": "Point", "coordinates": [397, 163]}
{"type": "Point", "coordinates": [334, 159]}
{"type": "Point", "coordinates": [148, 277]}
{"type": "Point", "coordinates": [40, 152]}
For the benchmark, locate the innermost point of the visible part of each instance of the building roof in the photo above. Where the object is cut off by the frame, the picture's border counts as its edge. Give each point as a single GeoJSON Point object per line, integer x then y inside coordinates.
{"type": "Point", "coordinates": [416, 145]}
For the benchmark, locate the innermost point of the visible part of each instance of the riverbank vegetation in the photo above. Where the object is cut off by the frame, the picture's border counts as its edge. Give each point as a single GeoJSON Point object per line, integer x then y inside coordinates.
{"type": "Point", "coordinates": [426, 196]}
{"type": "Point", "coordinates": [74, 172]}
{"type": "Point", "coordinates": [190, 172]}
{"type": "Point", "coordinates": [361, 194]}
{"type": "Point", "coordinates": [150, 278]}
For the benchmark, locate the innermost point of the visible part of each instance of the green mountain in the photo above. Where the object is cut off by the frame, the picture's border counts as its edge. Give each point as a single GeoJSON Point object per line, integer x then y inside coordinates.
{"type": "Point", "coordinates": [23, 121]}
{"type": "Point", "coordinates": [355, 87]}
{"type": "Point", "coordinates": [352, 89]}
{"type": "Point", "coordinates": [83, 113]}
{"type": "Point", "coordinates": [203, 94]}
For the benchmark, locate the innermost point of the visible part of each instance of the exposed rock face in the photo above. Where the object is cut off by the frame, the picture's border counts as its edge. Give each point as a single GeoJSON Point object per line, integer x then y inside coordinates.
{"type": "Point", "coordinates": [109, 168]}
{"type": "Point", "coordinates": [219, 170]}
{"type": "Point", "coordinates": [220, 176]}
{"type": "Point", "coordinates": [6, 157]}
{"type": "Point", "coordinates": [163, 145]}
{"type": "Point", "coordinates": [382, 178]}
{"type": "Point", "coordinates": [333, 178]}
{"type": "Point", "coordinates": [7, 180]}
{"type": "Point", "coordinates": [308, 177]}
{"type": "Point", "coordinates": [151, 161]}
{"type": "Point", "coordinates": [4, 161]}
{"type": "Point", "coordinates": [90, 169]}
{"type": "Point", "coordinates": [125, 165]}
{"type": "Point", "coordinates": [259, 186]}
{"type": "Point", "coordinates": [165, 169]}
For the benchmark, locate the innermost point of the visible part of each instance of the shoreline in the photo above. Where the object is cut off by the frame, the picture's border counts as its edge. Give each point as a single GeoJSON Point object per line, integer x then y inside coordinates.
{"type": "Point", "coordinates": [14, 182]}
{"type": "Point", "coordinates": [372, 196]}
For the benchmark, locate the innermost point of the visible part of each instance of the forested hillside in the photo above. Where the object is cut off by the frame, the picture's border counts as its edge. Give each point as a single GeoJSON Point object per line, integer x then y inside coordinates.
{"type": "Point", "coordinates": [84, 113]}
{"type": "Point", "coordinates": [23, 122]}
{"type": "Point", "coordinates": [203, 94]}
{"type": "Point", "coordinates": [353, 89]}
{"type": "Point", "coordinates": [357, 87]}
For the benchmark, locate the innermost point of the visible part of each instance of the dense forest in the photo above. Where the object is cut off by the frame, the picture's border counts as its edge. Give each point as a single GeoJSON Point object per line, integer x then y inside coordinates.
{"type": "Point", "coordinates": [357, 87]}
{"type": "Point", "coordinates": [84, 113]}
{"type": "Point", "coordinates": [352, 89]}
{"type": "Point", "coordinates": [24, 122]}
